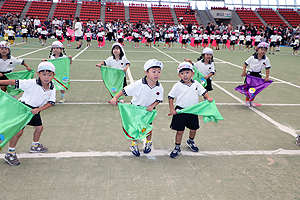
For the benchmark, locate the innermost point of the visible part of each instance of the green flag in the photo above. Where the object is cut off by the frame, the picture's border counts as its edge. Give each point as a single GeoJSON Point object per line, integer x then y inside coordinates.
{"type": "Point", "coordinates": [198, 76]}
{"type": "Point", "coordinates": [136, 120]}
{"type": "Point", "coordinates": [207, 109]}
{"type": "Point", "coordinates": [11, 89]}
{"type": "Point", "coordinates": [113, 79]}
{"type": "Point", "coordinates": [62, 73]}
{"type": "Point", "coordinates": [14, 116]}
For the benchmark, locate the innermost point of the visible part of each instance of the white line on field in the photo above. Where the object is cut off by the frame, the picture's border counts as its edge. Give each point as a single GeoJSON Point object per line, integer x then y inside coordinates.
{"type": "Point", "coordinates": [33, 52]}
{"type": "Point", "coordinates": [73, 58]}
{"type": "Point", "coordinates": [154, 153]}
{"type": "Point", "coordinates": [278, 125]}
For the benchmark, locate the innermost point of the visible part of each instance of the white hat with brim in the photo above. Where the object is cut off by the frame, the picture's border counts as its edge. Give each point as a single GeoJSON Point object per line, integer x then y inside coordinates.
{"type": "Point", "coordinates": [57, 44]}
{"type": "Point", "coordinates": [153, 63]}
{"type": "Point", "coordinates": [263, 44]}
{"type": "Point", "coordinates": [207, 50]}
{"type": "Point", "coordinates": [4, 44]}
{"type": "Point", "coordinates": [185, 65]}
{"type": "Point", "coordinates": [46, 66]}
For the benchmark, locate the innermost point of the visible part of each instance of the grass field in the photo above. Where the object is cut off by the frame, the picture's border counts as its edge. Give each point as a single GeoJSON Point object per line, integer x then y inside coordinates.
{"type": "Point", "coordinates": [250, 155]}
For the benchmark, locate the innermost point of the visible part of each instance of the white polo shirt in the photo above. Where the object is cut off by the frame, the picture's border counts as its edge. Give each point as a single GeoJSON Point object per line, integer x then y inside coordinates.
{"type": "Point", "coordinates": [24, 30]}
{"type": "Point", "coordinates": [257, 38]}
{"type": "Point", "coordinates": [258, 65]}
{"type": "Point", "coordinates": [273, 38]}
{"type": "Point", "coordinates": [78, 32]}
{"type": "Point", "coordinates": [34, 94]}
{"type": "Point", "coordinates": [143, 94]}
{"type": "Point", "coordinates": [60, 56]}
{"type": "Point", "coordinates": [119, 64]}
{"type": "Point", "coordinates": [10, 64]}
{"type": "Point", "coordinates": [186, 95]}
{"type": "Point", "coordinates": [58, 32]}
{"type": "Point", "coordinates": [10, 32]}
{"type": "Point", "coordinates": [205, 69]}
{"type": "Point", "coordinates": [232, 37]}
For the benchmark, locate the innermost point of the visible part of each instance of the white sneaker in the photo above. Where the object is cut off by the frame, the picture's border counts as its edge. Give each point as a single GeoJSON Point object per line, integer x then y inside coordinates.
{"type": "Point", "coordinates": [247, 104]}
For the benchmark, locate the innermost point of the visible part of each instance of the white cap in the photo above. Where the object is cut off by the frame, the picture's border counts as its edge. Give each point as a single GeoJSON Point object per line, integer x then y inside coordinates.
{"type": "Point", "coordinates": [207, 50]}
{"type": "Point", "coordinates": [46, 66]}
{"type": "Point", "coordinates": [4, 44]}
{"type": "Point", "coordinates": [117, 44]}
{"type": "Point", "coordinates": [152, 63]}
{"type": "Point", "coordinates": [185, 65]}
{"type": "Point", "coordinates": [263, 44]}
{"type": "Point", "coordinates": [57, 44]}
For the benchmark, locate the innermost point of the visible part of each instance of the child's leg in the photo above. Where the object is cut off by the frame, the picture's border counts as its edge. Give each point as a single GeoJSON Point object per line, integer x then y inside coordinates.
{"type": "Point", "coordinates": [178, 137]}
{"type": "Point", "coordinates": [13, 141]}
{"type": "Point", "coordinates": [62, 97]}
{"type": "Point", "coordinates": [11, 157]}
{"type": "Point", "coordinates": [148, 144]}
{"type": "Point", "coordinates": [36, 146]}
{"type": "Point", "coordinates": [37, 133]}
{"type": "Point", "coordinates": [134, 148]}
{"type": "Point", "coordinates": [190, 142]}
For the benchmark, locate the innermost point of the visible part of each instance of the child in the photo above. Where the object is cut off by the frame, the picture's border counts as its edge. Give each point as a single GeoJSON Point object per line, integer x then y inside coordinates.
{"type": "Point", "coordinates": [205, 39]}
{"type": "Point", "coordinates": [196, 39]}
{"type": "Point", "coordinates": [148, 35]}
{"type": "Point", "coordinates": [69, 38]}
{"type": "Point", "coordinates": [39, 94]}
{"type": "Point", "coordinates": [120, 37]}
{"type": "Point", "coordinates": [212, 38]}
{"type": "Point", "coordinates": [256, 63]}
{"type": "Point", "coordinates": [273, 42]}
{"type": "Point", "coordinates": [8, 62]}
{"type": "Point", "coordinates": [44, 35]}
{"type": "Point", "coordinates": [11, 35]}
{"type": "Point", "coordinates": [117, 60]}
{"type": "Point", "coordinates": [184, 41]}
{"type": "Point", "coordinates": [186, 92]}
{"type": "Point", "coordinates": [172, 37]}
{"type": "Point", "coordinates": [157, 36]}
{"type": "Point", "coordinates": [278, 41]}
{"type": "Point", "coordinates": [257, 40]}
{"type": "Point", "coordinates": [100, 35]}
{"type": "Point", "coordinates": [146, 92]}
{"type": "Point", "coordinates": [295, 45]}
{"type": "Point", "coordinates": [206, 66]}
{"type": "Point", "coordinates": [241, 40]}
{"type": "Point", "coordinates": [218, 40]}
{"type": "Point", "coordinates": [224, 39]}
{"type": "Point", "coordinates": [136, 37]}
{"type": "Point", "coordinates": [232, 41]}
{"type": "Point", "coordinates": [248, 41]}
{"type": "Point", "coordinates": [24, 33]}
{"type": "Point", "coordinates": [59, 33]}
{"type": "Point", "coordinates": [167, 39]}
{"type": "Point", "coordinates": [88, 36]}
{"type": "Point", "coordinates": [57, 51]}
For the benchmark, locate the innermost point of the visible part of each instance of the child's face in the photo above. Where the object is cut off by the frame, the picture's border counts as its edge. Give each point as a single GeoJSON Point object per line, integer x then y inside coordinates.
{"type": "Point", "coordinates": [207, 57]}
{"type": "Point", "coordinates": [186, 75]}
{"type": "Point", "coordinates": [57, 50]}
{"type": "Point", "coordinates": [45, 76]}
{"type": "Point", "coordinates": [262, 51]}
{"type": "Point", "coordinates": [116, 50]}
{"type": "Point", "coordinates": [153, 74]}
{"type": "Point", "coordinates": [4, 51]}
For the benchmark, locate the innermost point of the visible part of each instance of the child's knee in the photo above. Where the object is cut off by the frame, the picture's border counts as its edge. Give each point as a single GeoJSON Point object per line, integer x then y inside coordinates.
{"type": "Point", "coordinates": [39, 128]}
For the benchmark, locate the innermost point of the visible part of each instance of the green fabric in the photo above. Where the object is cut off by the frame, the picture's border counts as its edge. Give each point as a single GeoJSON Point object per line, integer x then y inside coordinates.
{"type": "Point", "coordinates": [198, 76]}
{"type": "Point", "coordinates": [113, 79]}
{"type": "Point", "coordinates": [11, 89]}
{"type": "Point", "coordinates": [62, 73]}
{"type": "Point", "coordinates": [136, 121]}
{"type": "Point", "coordinates": [14, 116]}
{"type": "Point", "coordinates": [207, 109]}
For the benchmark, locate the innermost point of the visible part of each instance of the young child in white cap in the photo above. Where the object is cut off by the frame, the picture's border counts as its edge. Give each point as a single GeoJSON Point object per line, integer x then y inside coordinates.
{"type": "Point", "coordinates": [186, 92]}
{"type": "Point", "coordinates": [147, 92]}
{"type": "Point", "coordinates": [206, 66]}
{"type": "Point", "coordinates": [39, 94]}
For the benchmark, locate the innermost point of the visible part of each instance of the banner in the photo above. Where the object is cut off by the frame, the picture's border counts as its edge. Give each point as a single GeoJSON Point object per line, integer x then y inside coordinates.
{"type": "Point", "coordinates": [136, 121]}
{"type": "Point", "coordinates": [198, 76]}
{"type": "Point", "coordinates": [207, 109]}
{"type": "Point", "coordinates": [61, 79]}
{"type": "Point", "coordinates": [113, 79]}
{"type": "Point", "coordinates": [14, 116]}
{"type": "Point", "coordinates": [11, 89]}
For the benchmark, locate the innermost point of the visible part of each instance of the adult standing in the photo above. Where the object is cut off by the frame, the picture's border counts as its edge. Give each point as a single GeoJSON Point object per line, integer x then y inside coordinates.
{"type": "Point", "coordinates": [78, 32]}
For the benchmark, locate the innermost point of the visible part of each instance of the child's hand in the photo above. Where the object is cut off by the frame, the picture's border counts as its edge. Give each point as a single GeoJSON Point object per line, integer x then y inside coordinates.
{"type": "Point", "coordinates": [29, 69]}
{"type": "Point", "coordinates": [267, 79]}
{"type": "Point", "coordinates": [210, 99]}
{"type": "Point", "coordinates": [206, 77]}
{"type": "Point", "coordinates": [69, 56]}
{"type": "Point", "coordinates": [149, 108]}
{"type": "Point", "coordinates": [188, 60]}
{"type": "Point", "coordinates": [35, 111]}
{"type": "Point", "coordinates": [99, 65]}
{"type": "Point", "coordinates": [243, 74]}
{"type": "Point", "coordinates": [172, 112]}
{"type": "Point", "coordinates": [1, 74]}
{"type": "Point", "coordinates": [44, 60]}
{"type": "Point", "coordinates": [125, 70]}
{"type": "Point", "coordinates": [113, 101]}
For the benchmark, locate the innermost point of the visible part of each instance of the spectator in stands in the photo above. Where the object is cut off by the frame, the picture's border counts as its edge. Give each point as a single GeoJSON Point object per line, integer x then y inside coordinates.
{"type": "Point", "coordinates": [15, 22]}
{"type": "Point", "coordinates": [181, 19]}
{"type": "Point", "coordinates": [36, 22]}
{"type": "Point", "coordinates": [55, 22]}
{"type": "Point", "coordinates": [69, 21]}
{"type": "Point", "coordinates": [222, 27]}
{"type": "Point", "coordinates": [47, 23]}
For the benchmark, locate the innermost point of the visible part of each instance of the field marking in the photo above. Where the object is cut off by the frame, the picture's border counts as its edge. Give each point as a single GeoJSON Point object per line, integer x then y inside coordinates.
{"type": "Point", "coordinates": [281, 127]}
{"type": "Point", "coordinates": [153, 153]}
{"type": "Point", "coordinates": [33, 52]}
{"type": "Point", "coordinates": [73, 58]}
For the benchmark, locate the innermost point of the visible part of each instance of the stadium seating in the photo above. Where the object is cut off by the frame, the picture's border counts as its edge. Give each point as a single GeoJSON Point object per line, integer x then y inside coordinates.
{"type": "Point", "coordinates": [138, 12]}
{"type": "Point", "coordinates": [90, 10]}
{"type": "Point", "coordinates": [65, 9]}
{"type": "Point", "coordinates": [186, 13]}
{"type": "Point", "coordinates": [219, 8]}
{"type": "Point", "coordinates": [248, 16]}
{"type": "Point", "coordinates": [290, 15]}
{"type": "Point", "coordinates": [13, 6]}
{"type": "Point", "coordinates": [114, 11]}
{"type": "Point", "coordinates": [270, 16]}
{"type": "Point", "coordinates": [40, 9]}
{"type": "Point", "coordinates": [162, 14]}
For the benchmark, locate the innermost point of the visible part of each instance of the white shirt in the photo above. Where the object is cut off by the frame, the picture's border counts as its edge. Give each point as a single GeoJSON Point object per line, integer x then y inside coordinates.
{"type": "Point", "coordinates": [44, 32]}
{"type": "Point", "coordinates": [10, 32]}
{"type": "Point", "coordinates": [186, 95]}
{"type": "Point", "coordinates": [225, 37]}
{"type": "Point", "coordinates": [205, 36]}
{"type": "Point", "coordinates": [36, 22]}
{"type": "Point", "coordinates": [88, 34]}
{"type": "Point", "coordinates": [256, 65]}
{"type": "Point", "coordinates": [232, 37]}
{"type": "Point", "coordinates": [34, 94]}
{"type": "Point", "coordinates": [205, 69]}
{"type": "Point", "coordinates": [61, 56]}
{"type": "Point", "coordinates": [257, 38]}
{"type": "Point", "coordinates": [273, 38]}
{"type": "Point", "coordinates": [101, 34]}
{"type": "Point", "coordinates": [143, 94]}
{"type": "Point", "coordinates": [78, 32]}
{"type": "Point", "coordinates": [24, 30]}
{"type": "Point", "coordinates": [10, 64]}
{"type": "Point", "coordinates": [248, 38]}
{"type": "Point", "coordinates": [118, 64]}
{"type": "Point", "coordinates": [241, 37]}
{"type": "Point", "coordinates": [58, 32]}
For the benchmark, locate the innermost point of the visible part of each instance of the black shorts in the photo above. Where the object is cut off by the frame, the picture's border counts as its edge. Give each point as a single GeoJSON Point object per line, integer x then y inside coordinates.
{"type": "Point", "coordinates": [218, 41]}
{"type": "Point", "coordinates": [208, 86]}
{"type": "Point", "coordinates": [241, 41]}
{"type": "Point", "coordinates": [125, 82]}
{"type": "Point", "coordinates": [77, 38]}
{"type": "Point", "coordinates": [24, 35]}
{"type": "Point", "coordinates": [183, 41]}
{"type": "Point", "coordinates": [232, 42]}
{"type": "Point", "coordinates": [156, 39]}
{"type": "Point", "coordinates": [205, 41]}
{"type": "Point", "coordinates": [100, 39]}
{"type": "Point", "coordinates": [69, 37]}
{"type": "Point", "coordinates": [149, 39]}
{"type": "Point", "coordinates": [272, 44]}
{"type": "Point", "coordinates": [136, 40]}
{"type": "Point", "coordinates": [256, 43]}
{"type": "Point", "coordinates": [11, 38]}
{"type": "Point", "coordinates": [4, 77]}
{"type": "Point", "coordinates": [295, 47]}
{"type": "Point", "coordinates": [180, 121]}
{"type": "Point", "coordinates": [44, 37]}
{"type": "Point", "coordinates": [36, 119]}
{"type": "Point", "coordinates": [278, 43]}
{"type": "Point", "coordinates": [120, 40]}
{"type": "Point", "coordinates": [248, 43]}
{"type": "Point", "coordinates": [88, 39]}
{"type": "Point", "coordinates": [59, 37]}
{"type": "Point", "coordinates": [224, 41]}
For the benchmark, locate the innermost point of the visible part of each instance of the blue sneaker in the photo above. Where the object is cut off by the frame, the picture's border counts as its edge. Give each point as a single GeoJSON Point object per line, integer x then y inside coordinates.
{"type": "Point", "coordinates": [175, 153]}
{"type": "Point", "coordinates": [148, 147]}
{"type": "Point", "coordinates": [192, 145]}
{"type": "Point", "coordinates": [135, 150]}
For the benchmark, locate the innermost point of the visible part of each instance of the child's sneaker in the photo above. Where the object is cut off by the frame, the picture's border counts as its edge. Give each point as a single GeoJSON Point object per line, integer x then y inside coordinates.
{"type": "Point", "coordinates": [247, 104]}
{"type": "Point", "coordinates": [175, 153]}
{"type": "Point", "coordinates": [192, 145]}
{"type": "Point", "coordinates": [11, 159]}
{"type": "Point", "coordinates": [135, 150]}
{"type": "Point", "coordinates": [148, 147]}
{"type": "Point", "coordinates": [38, 149]}
{"type": "Point", "coordinates": [62, 100]}
{"type": "Point", "coordinates": [298, 140]}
